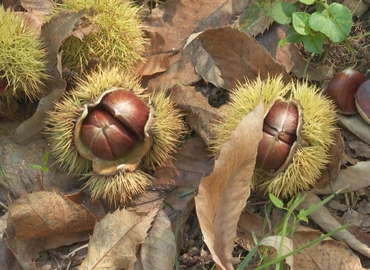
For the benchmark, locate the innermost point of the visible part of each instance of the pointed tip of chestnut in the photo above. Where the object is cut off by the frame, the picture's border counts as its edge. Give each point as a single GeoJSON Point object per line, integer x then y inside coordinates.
{"type": "Point", "coordinates": [362, 98]}
{"type": "Point", "coordinates": [342, 88]}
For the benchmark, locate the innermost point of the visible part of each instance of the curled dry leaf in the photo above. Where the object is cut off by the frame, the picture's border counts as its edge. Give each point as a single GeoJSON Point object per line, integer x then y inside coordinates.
{"type": "Point", "coordinates": [45, 213]}
{"type": "Point", "coordinates": [323, 218]}
{"type": "Point", "coordinates": [275, 241]}
{"type": "Point", "coordinates": [117, 237]}
{"type": "Point", "coordinates": [53, 34]}
{"type": "Point", "coordinates": [226, 56]}
{"type": "Point", "coordinates": [223, 194]}
{"type": "Point", "coordinates": [356, 125]}
{"type": "Point", "coordinates": [181, 175]}
{"type": "Point", "coordinates": [159, 249]}
{"type": "Point", "coordinates": [199, 113]}
{"type": "Point", "coordinates": [155, 58]}
{"type": "Point", "coordinates": [40, 9]}
{"type": "Point", "coordinates": [350, 179]}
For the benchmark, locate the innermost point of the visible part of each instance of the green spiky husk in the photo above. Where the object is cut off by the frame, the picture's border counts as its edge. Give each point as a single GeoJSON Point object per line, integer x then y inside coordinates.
{"type": "Point", "coordinates": [61, 121]}
{"type": "Point", "coordinates": [167, 130]}
{"type": "Point", "coordinates": [318, 127]}
{"type": "Point", "coordinates": [118, 189]}
{"type": "Point", "coordinates": [117, 38]}
{"type": "Point", "coordinates": [22, 58]}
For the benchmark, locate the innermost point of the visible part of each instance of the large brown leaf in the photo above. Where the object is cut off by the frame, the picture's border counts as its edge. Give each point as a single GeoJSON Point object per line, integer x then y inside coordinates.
{"type": "Point", "coordinates": [53, 34]}
{"type": "Point", "coordinates": [226, 56]}
{"type": "Point", "coordinates": [223, 194]}
{"type": "Point", "coordinates": [117, 237]}
{"type": "Point", "coordinates": [159, 249]}
{"type": "Point", "coordinates": [328, 254]}
{"type": "Point", "coordinates": [200, 114]}
{"type": "Point", "coordinates": [45, 213]}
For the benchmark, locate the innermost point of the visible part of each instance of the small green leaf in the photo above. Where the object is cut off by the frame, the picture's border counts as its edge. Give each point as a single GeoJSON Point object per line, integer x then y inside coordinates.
{"type": "Point", "coordinates": [45, 169]}
{"type": "Point", "coordinates": [314, 43]}
{"type": "Point", "coordinates": [307, 2]}
{"type": "Point", "coordinates": [335, 22]}
{"type": "Point", "coordinates": [282, 12]}
{"type": "Point", "coordinates": [302, 217]}
{"type": "Point", "coordinates": [300, 23]}
{"type": "Point", "coordinates": [293, 36]}
{"type": "Point", "coordinates": [276, 201]}
{"type": "Point", "coordinates": [36, 167]}
{"type": "Point", "coordinates": [46, 157]}
{"type": "Point", "coordinates": [282, 42]}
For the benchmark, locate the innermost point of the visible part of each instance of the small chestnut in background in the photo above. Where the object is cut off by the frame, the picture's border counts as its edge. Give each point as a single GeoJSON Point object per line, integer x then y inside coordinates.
{"type": "Point", "coordinates": [362, 98]}
{"type": "Point", "coordinates": [342, 88]}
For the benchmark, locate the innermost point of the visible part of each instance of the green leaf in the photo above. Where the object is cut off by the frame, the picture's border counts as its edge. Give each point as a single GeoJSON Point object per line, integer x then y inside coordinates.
{"type": "Point", "coordinates": [36, 167]}
{"type": "Point", "coordinates": [46, 157]}
{"type": "Point", "coordinates": [300, 23]}
{"type": "Point", "coordinates": [293, 36]}
{"type": "Point", "coordinates": [314, 42]}
{"type": "Point", "coordinates": [307, 2]}
{"type": "Point", "coordinates": [335, 22]}
{"type": "Point", "coordinates": [282, 12]}
{"type": "Point", "coordinates": [276, 201]}
{"type": "Point", "coordinates": [302, 217]}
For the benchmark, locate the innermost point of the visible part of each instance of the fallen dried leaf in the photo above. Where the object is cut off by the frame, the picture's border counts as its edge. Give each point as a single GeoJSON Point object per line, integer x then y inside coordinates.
{"type": "Point", "coordinates": [351, 179]}
{"type": "Point", "coordinates": [117, 237]}
{"type": "Point", "coordinates": [226, 56]}
{"type": "Point", "coordinates": [155, 59]}
{"type": "Point", "coordinates": [356, 125]}
{"type": "Point", "coordinates": [327, 222]}
{"type": "Point", "coordinates": [275, 241]}
{"type": "Point", "coordinates": [53, 34]}
{"type": "Point", "coordinates": [159, 249]}
{"type": "Point", "coordinates": [328, 254]}
{"type": "Point", "coordinates": [199, 113]}
{"type": "Point", "coordinates": [222, 195]}
{"type": "Point", "coordinates": [45, 213]}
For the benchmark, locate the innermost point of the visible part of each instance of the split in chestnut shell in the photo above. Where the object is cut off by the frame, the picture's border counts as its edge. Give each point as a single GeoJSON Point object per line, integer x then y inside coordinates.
{"type": "Point", "coordinates": [281, 129]}
{"type": "Point", "coordinates": [113, 130]}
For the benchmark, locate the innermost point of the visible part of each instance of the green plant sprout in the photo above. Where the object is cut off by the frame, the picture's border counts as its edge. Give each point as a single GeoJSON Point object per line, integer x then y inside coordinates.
{"type": "Point", "coordinates": [43, 169]}
{"type": "Point", "coordinates": [333, 22]}
{"type": "Point", "coordinates": [286, 229]}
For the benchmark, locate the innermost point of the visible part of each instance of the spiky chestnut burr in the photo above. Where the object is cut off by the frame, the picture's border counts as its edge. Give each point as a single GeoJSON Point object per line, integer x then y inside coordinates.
{"type": "Point", "coordinates": [312, 140]}
{"type": "Point", "coordinates": [116, 38]}
{"type": "Point", "coordinates": [121, 173]}
{"type": "Point", "coordinates": [22, 59]}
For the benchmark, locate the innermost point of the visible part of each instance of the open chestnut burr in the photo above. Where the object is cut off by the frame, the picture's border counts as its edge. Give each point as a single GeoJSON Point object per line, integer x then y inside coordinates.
{"type": "Point", "coordinates": [111, 133]}
{"type": "Point", "coordinates": [298, 130]}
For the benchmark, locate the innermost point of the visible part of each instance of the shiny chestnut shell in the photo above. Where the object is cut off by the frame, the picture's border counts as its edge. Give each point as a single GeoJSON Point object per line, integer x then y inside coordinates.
{"type": "Point", "coordinates": [362, 98]}
{"type": "Point", "coordinates": [342, 88]}
{"type": "Point", "coordinates": [106, 136]}
{"type": "Point", "coordinates": [281, 128]}
{"type": "Point", "coordinates": [112, 130]}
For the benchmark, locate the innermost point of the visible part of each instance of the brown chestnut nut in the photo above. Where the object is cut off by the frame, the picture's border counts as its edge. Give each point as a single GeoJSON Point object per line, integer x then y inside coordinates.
{"type": "Point", "coordinates": [279, 135]}
{"type": "Point", "coordinates": [342, 88]}
{"type": "Point", "coordinates": [112, 130]}
{"type": "Point", "coordinates": [362, 98]}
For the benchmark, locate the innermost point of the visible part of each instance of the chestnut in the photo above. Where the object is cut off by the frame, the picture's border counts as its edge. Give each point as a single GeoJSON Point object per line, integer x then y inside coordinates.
{"type": "Point", "coordinates": [362, 98]}
{"type": "Point", "coordinates": [342, 88]}
{"type": "Point", "coordinates": [113, 128]}
{"type": "Point", "coordinates": [280, 131]}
